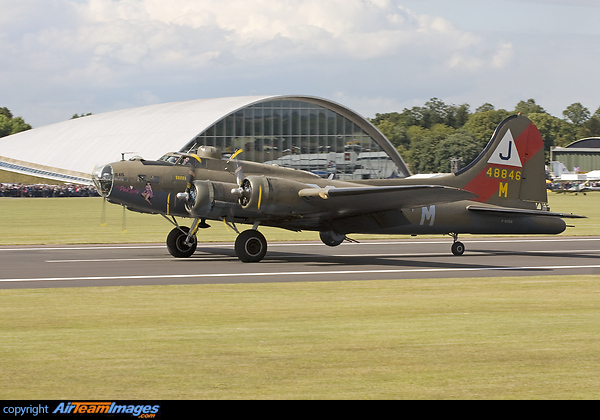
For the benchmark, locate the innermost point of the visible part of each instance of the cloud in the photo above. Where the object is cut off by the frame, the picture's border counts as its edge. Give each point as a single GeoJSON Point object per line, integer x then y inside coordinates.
{"type": "Point", "coordinates": [570, 3]}
{"type": "Point", "coordinates": [164, 50]}
{"type": "Point", "coordinates": [154, 34]}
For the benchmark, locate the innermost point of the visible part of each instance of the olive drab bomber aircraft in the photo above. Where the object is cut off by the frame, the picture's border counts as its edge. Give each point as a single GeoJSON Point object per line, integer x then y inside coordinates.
{"type": "Point", "coordinates": [503, 191]}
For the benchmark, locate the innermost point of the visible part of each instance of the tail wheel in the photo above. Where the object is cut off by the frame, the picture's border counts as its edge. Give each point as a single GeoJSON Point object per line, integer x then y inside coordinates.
{"type": "Point", "coordinates": [458, 248]}
{"type": "Point", "coordinates": [176, 243]}
{"type": "Point", "coordinates": [330, 238]}
{"type": "Point", "coordinates": [250, 246]}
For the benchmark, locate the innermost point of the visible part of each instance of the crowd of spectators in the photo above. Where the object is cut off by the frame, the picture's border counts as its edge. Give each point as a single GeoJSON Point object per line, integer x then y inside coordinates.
{"type": "Point", "coordinates": [44, 190]}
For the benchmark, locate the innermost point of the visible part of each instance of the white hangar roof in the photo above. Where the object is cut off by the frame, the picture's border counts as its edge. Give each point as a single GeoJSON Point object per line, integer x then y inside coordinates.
{"type": "Point", "coordinates": [69, 151]}
{"type": "Point", "coordinates": [75, 147]}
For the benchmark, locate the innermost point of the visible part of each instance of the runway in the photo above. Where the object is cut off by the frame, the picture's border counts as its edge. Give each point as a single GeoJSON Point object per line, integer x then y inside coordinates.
{"type": "Point", "coordinates": [150, 264]}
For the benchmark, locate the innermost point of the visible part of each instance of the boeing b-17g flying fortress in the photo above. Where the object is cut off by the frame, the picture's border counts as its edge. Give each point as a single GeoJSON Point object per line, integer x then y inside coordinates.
{"type": "Point", "coordinates": [503, 191]}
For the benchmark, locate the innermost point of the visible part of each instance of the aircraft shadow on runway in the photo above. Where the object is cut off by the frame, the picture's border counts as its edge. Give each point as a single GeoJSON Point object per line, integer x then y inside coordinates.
{"type": "Point", "coordinates": [541, 254]}
{"type": "Point", "coordinates": [424, 260]}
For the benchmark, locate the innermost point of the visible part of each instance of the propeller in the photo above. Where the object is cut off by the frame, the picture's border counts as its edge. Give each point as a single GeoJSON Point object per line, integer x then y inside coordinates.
{"type": "Point", "coordinates": [238, 172]}
{"type": "Point", "coordinates": [102, 179]}
{"type": "Point", "coordinates": [124, 221]}
{"type": "Point", "coordinates": [189, 194]}
{"type": "Point", "coordinates": [244, 190]}
{"type": "Point", "coordinates": [103, 222]}
{"type": "Point", "coordinates": [103, 214]}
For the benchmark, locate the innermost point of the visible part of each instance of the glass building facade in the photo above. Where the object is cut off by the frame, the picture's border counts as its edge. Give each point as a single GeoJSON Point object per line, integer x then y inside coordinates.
{"type": "Point", "coordinates": [302, 135]}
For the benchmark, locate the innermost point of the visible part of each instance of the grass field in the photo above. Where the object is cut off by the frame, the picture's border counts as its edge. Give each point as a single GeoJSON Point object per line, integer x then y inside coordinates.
{"type": "Point", "coordinates": [462, 338]}
{"type": "Point", "coordinates": [78, 220]}
{"type": "Point", "coordinates": [472, 338]}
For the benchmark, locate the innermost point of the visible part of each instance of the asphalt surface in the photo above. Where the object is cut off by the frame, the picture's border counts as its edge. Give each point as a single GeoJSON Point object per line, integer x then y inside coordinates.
{"type": "Point", "coordinates": [150, 264]}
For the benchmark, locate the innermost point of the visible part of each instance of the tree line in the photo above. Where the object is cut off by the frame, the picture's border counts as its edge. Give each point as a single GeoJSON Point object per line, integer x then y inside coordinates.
{"type": "Point", "coordinates": [429, 136]}
{"type": "Point", "coordinates": [10, 124]}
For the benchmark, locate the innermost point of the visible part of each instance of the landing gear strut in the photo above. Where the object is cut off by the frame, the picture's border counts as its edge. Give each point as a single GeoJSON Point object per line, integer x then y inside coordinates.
{"type": "Point", "coordinates": [458, 248]}
{"type": "Point", "coordinates": [180, 244]}
{"type": "Point", "coordinates": [250, 245]}
{"type": "Point", "coordinates": [181, 241]}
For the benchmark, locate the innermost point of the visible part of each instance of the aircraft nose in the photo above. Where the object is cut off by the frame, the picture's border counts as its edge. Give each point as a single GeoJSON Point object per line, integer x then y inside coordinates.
{"type": "Point", "coordinates": [103, 179]}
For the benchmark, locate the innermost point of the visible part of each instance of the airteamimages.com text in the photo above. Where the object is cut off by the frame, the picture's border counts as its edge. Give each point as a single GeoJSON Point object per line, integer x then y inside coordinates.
{"type": "Point", "coordinates": [142, 411]}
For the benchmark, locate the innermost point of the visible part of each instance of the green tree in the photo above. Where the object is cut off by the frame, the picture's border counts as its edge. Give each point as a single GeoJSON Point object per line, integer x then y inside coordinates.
{"type": "Point", "coordinates": [577, 113]}
{"type": "Point", "coordinates": [461, 115]}
{"type": "Point", "coordinates": [554, 131]}
{"type": "Point", "coordinates": [392, 117]}
{"type": "Point", "coordinates": [396, 133]}
{"type": "Point", "coordinates": [5, 126]}
{"type": "Point", "coordinates": [461, 145]}
{"type": "Point", "coordinates": [482, 124]}
{"type": "Point", "coordinates": [529, 107]}
{"type": "Point", "coordinates": [485, 107]}
{"type": "Point", "coordinates": [424, 144]}
{"type": "Point", "coordinates": [590, 128]}
{"type": "Point", "coordinates": [80, 116]}
{"type": "Point", "coordinates": [10, 125]}
{"type": "Point", "coordinates": [436, 111]}
{"type": "Point", "coordinates": [6, 112]}
{"type": "Point", "coordinates": [18, 125]}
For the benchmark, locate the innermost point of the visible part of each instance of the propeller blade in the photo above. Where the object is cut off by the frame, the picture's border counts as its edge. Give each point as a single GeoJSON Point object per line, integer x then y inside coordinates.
{"type": "Point", "coordinates": [237, 152]}
{"type": "Point", "coordinates": [124, 221]}
{"type": "Point", "coordinates": [244, 189]}
{"type": "Point", "coordinates": [103, 214]}
{"type": "Point", "coordinates": [239, 173]}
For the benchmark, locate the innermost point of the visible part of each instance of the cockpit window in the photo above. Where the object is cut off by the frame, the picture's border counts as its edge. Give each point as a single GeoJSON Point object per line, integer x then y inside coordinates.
{"type": "Point", "coordinates": [181, 159]}
{"type": "Point", "coordinates": [194, 161]}
{"type": "Point", "coordinates": [184, 160]}
{"type": "Point", "coordinates": [169, 158]}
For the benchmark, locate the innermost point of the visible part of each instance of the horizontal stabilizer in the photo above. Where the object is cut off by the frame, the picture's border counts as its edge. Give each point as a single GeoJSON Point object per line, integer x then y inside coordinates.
{"type": "Point", "coordinates": [524, 212]}
{"type": "Point", "coordinates": [371, 199]}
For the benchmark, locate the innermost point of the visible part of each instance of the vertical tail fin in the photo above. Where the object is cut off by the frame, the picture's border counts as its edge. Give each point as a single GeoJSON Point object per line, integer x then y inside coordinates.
{"type": "Point", "coordinates": [510, 171]}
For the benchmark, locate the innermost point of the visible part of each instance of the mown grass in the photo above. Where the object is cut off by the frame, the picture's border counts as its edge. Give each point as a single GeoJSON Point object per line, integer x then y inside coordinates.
{"type": "Point", "coordinates": [91, 220]}
{"type": "Point", "coordinates": [78, 220]}
{"type": "Point", "coordinates": [471, 338]}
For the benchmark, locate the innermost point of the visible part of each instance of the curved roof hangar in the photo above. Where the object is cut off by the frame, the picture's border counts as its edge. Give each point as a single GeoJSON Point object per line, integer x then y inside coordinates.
{"type": "Point", "coordinates": [68, 151]}
{"type": "Point", "coordinates": [587, 143]}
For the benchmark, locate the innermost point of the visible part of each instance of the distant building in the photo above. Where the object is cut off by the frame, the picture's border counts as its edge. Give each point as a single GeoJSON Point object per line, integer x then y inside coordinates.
{"type": "Point", "coordinates": [301, 132]}
{"type": "Point", "coordinates": [583, 154]}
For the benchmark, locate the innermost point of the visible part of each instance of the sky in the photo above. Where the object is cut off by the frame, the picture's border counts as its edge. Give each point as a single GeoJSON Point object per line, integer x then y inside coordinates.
{"type": "Point", "coordinates": [65, 57]}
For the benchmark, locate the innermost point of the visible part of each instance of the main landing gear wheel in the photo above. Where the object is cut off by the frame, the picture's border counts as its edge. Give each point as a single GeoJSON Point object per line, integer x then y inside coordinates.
{"type": "Point", "coordinates": [176, 243]}
{"type": "Point", "coordinates": [458, 248]}
{"type": "Point", "coordinates": [250, 246]}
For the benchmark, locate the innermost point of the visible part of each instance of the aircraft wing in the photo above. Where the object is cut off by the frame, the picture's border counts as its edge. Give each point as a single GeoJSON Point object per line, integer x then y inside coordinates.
{"type": "Point", "coordinates": [524, 212]}
{"type": "Point", "coordinates": [371, 199]}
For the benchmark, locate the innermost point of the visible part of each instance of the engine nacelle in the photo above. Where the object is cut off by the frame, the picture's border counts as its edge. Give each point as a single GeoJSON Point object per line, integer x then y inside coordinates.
{"type": "Point", "coordinates": [204, 194]}
{"type": "Point", "coordinates": [274, 196]}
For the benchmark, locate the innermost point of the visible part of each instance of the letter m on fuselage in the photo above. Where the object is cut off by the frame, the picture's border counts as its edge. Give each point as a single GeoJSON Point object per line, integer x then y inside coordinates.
{"type": "Point", "coordinates": [428, 213]}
